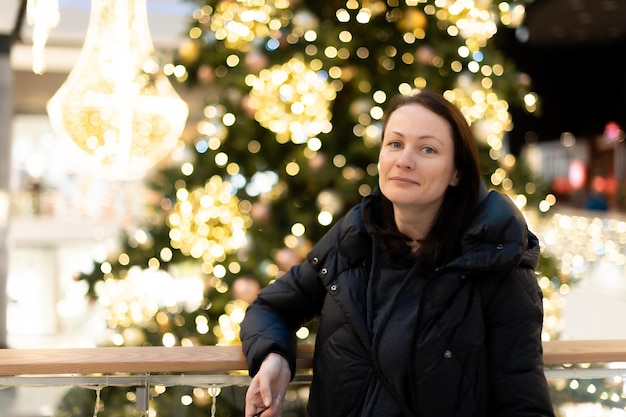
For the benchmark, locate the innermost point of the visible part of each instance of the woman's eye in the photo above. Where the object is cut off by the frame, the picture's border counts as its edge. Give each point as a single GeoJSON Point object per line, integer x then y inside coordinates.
{"type": "Point", "coordinates": [395, 144]}
{"type": "Point", "coordinates": [428, 149]}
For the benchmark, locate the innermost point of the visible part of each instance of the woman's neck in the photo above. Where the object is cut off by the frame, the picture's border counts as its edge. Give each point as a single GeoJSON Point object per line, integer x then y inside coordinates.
{"type": "Point", "coordinates": [414, 225]}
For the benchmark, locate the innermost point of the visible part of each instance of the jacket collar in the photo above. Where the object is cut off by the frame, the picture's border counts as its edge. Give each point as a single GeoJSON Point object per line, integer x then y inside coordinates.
{"type": "Point", "coordinates": [496, 238]}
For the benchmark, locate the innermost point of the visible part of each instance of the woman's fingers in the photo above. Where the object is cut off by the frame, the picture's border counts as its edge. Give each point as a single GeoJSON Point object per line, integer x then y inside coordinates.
{"type": "Point", "coordinates": [264, 397]}
{"type": "Point", "coordinates": [254, 401]}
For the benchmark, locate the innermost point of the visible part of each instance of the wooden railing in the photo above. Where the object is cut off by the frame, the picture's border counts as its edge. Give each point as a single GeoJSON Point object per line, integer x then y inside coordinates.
{"type": "Point", "coordinates": [110, 360]}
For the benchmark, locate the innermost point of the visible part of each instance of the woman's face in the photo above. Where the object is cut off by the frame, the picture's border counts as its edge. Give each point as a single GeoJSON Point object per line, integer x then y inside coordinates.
{"type": "Point", "coordinates": [416, 161]}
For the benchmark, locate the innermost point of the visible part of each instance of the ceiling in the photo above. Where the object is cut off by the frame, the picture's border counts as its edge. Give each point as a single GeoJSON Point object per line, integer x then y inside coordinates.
{"type": "Point", "coordinates": [574, 50]}
{"type": "Point", "coordinates": [575, 53]}
{"type": "Point", "coordinates": [562, 22]}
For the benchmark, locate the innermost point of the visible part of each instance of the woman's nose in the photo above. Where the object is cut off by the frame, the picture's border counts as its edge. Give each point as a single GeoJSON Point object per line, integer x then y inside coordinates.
{"type": "Point", "coordinates": [405, 160]}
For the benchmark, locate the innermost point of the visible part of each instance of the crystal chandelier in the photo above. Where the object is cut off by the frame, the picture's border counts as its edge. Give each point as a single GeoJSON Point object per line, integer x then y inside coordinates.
{"type": "Point", "coordinates": [116, 104]}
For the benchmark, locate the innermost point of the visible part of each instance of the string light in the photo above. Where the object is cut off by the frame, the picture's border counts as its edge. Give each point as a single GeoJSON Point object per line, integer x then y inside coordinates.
{"type": "Point", "coordinates": [136, 299]}
{"type": "Point", "coordinates": [239, 23]}
{"type": "Point", "coordinates": [476, 21]}
{"type": "Point", "coordinates": [292, 100]}
{"type": "Point", "coordinates": [207, 223]}
{"type": "Point", "coordinates": [579, 241]}
{"type": "Point", "coordinates": [484, 110]}
{"type": "Point", "coordinates": [227, 330]}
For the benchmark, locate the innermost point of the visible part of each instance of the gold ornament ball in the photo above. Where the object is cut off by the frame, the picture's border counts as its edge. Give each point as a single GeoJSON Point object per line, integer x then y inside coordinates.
{"type": "Point", "coordinates": [317, 162]}
{"type": "Point", "coordinates": [246, 289]}
{"type": "Point", "coordinates": [285, 258]}
{"type": "Point", "coordinates": [261, 213]}
{"type": "Point", "coordinates": [413, 20]}
{"type": "Point", "coordinates": [256, 61]}
{"type": "Point", "coordinates": [206, 74]}
{"type": "Point", "coordinates": [425, 55]}
{"type": "Point", "coordinates": [189, 51]}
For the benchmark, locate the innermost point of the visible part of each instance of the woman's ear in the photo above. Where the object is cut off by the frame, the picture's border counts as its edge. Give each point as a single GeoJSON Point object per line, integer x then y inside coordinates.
{"type": "Point", "coordinates": [456, 178]}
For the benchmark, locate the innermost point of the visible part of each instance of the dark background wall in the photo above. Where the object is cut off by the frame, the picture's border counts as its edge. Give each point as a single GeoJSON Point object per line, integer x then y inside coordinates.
{"type": "Point", "coordinates": [575, 53]}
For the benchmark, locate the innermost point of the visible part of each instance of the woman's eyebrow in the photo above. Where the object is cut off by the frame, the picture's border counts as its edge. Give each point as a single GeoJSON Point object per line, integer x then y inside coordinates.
{"type": "Point", "coordinates": [422, 137]}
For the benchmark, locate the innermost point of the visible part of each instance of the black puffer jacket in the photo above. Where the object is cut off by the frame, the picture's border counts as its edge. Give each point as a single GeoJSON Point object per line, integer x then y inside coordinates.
{"type": "Point", "coordinates": [477, 349]}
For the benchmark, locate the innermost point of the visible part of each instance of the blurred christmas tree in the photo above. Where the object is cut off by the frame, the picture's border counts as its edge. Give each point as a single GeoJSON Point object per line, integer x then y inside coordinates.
{"type": "Point", "coordinates": [295, 91]}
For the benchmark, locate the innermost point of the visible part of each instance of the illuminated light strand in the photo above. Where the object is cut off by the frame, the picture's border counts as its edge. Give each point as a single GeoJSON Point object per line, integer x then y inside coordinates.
{"type": "Point", "coordinates": [207, 223]}
{"type": "Point", "coordinates": [240, 23]}
{"type": "Point", "coordinates": [292, 100]}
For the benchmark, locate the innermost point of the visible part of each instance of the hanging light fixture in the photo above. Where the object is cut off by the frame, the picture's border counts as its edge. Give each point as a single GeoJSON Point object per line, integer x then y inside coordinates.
{"type": "Point", "coordinates": [43, 15]}
{"type": "Point", "coordinates": [116, 104]}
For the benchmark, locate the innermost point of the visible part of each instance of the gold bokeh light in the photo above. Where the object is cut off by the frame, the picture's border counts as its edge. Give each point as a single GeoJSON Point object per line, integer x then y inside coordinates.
{"type": "Point", "coordinates": [208, 223]}
{"type": "Point", "coordinates": [292, 100]}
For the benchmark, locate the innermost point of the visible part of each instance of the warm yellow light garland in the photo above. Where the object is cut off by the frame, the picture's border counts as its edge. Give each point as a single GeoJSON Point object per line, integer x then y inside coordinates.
{"type": "Point", "coordinates": [207, 223]}
{"type": "Point", "coordinates": [292, 100]}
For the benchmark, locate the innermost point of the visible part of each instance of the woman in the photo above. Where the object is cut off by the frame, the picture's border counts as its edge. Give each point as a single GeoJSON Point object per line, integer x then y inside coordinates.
{"type": "Point", "coordinates": [426, 293]}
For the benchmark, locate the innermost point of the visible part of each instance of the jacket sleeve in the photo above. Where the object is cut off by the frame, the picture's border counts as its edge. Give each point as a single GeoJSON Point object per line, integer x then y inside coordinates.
{"type": "Point", "coordinates": [514, 324]}
{"type": "Point", "coordinates": [281, 308]}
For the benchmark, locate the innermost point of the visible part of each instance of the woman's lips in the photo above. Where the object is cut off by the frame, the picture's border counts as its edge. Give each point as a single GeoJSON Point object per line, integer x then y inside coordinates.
{"type": "Point", "coordinates": [404, 180]}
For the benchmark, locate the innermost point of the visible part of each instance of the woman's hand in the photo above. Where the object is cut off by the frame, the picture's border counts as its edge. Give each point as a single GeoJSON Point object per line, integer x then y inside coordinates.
{"type": "Point", "coordinates": [267, 390]}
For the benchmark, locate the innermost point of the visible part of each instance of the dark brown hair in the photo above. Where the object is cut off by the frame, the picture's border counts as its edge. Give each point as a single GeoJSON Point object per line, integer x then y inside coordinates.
{"type": "Point", "coordinates": [443, 240]}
